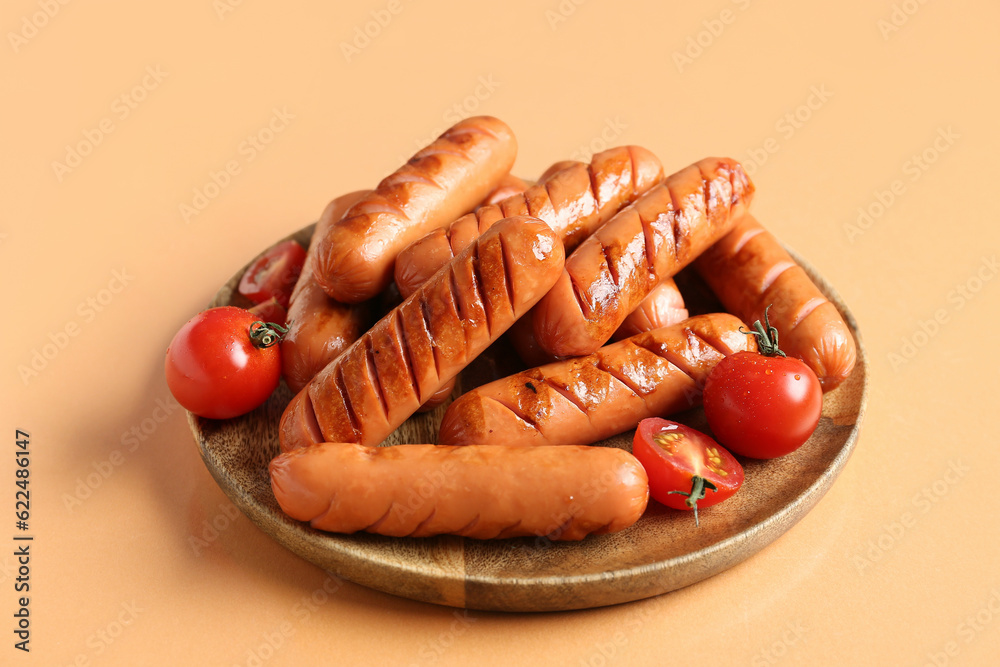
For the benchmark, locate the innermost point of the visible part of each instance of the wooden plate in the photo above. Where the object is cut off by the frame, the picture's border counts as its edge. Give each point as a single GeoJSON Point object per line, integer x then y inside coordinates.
{"type": "Point", "coordinates": [660, 553]}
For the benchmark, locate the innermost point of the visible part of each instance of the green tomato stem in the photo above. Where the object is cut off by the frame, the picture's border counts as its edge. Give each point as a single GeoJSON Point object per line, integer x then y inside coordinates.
{"type": "Point", "coordinates": [767, 336]}
{"type": "Point", "coordinates": [698, 486]}
{"type": "Point", "coordinates": [266, 334]}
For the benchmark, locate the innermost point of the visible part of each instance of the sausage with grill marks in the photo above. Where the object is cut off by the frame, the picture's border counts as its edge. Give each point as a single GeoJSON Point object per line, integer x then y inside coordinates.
{"type": "Point", "coordinates": [612, 271]}
{"type": "Point", "coordinates": [363, 395]}
{"type": "Point", "coordinates": [574, 201]}
{"type": "Point", "coordinates": [441, 182]}
{"type": "Point", "coordinates": [480, 492]}
{"type": "Point", "coordinates": [749, 270]}
{"type": "Point", "coordinates": [663, 306]}
{"type": "Point", "coordinates": [586, 399]}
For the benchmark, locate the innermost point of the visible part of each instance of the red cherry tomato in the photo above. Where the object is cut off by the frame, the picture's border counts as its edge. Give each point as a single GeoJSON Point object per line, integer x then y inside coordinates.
{"type": "Point", "coordinates": [686, 468]}
{"type": "Point", "coordinates": [216, 370]}
{"type": "Point", "coordinates": [274, 274]}
{"type": "Point", "coordinates": [762, 406]}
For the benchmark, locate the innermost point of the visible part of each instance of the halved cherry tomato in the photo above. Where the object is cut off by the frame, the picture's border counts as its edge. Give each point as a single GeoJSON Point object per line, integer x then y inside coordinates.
{"type": "Point", "coordinates": [686, 468]}
{"type": "Point", "coordinates": [223, 363]}
{"type": "Point", "coordinates": [762, 406]}
{"type": "Point", "coordinates": [274, 274]}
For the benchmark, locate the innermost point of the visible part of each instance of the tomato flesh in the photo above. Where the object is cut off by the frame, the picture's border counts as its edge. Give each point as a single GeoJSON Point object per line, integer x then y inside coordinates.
{"type": "Point", "coordinates": [213, 368]}
{"type": "Point", "coordinates": [274, 274]}
{"type": "Point", "coordinates": [762, 407]}
{"type": "Point", "coordinates": [673, 454]}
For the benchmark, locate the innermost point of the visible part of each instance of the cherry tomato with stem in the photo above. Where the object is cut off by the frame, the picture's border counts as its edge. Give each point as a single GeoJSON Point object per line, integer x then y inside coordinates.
{"type": "Point", "coordinates": [686, 468]}
{"type": "Point", "coordinates": [274, 274]}
{"type": "Point", "coordinates": [224, 362]}
{"type": "Point", "coordinates": [762, 405]}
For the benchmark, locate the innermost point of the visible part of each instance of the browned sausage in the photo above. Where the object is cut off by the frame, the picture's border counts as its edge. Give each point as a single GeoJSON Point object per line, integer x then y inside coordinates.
{"type": "Point", "coordinates": [369, 390]}
{"type": "Point", "coordinates": [481, 492]}
{"type": "Point", "coordinates": [646, 243]}
{"type": "Point", "coordinates": [510, 185]}
{"type": "Point", "coordinates": [662, 307]}
{"type": "Point", "coordinates": [574, 201]}
{"type": "Point", "coordinates": [749, 270]}
{"type": "Point", "coordinates": [586, 399]}
{"type": "Point", "coordinates": [441, 182]}
{"type": "Point", "coordinates": [319, 328]}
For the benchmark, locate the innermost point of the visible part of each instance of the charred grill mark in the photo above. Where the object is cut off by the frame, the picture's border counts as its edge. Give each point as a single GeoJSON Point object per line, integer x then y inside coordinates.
{"type": "Point", "coordinates": [675, 360]}
{"type": "Point", "coordinates": [518, 414]}
{"type": "Point", "coordinates": [397, 323]}
{"type": "Point", "coordinates": [460, 307]}
{"type": "Point", "coordinates": [352, 416]}
{"type": "Point", "coordinates": [481, 293]}
{"type": "Point", "coordinates": [507, 276]}
{"type": "Point", "coordinates": [426, 314]}
{"type": "Point", "coordinates": [616, 374]}
{"type": "Point", "coordinates": [376, 379]}
{"type": "Point", "coordinates": [565, 393]}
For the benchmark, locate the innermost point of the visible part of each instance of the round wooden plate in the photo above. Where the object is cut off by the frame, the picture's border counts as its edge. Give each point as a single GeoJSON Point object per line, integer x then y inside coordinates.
{"type": "Point", "coordinates": [662, 552]}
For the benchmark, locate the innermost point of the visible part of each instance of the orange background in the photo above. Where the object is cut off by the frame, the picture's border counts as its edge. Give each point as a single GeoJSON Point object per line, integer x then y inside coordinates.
{"type": "Point", "coordinates": [876, 573]}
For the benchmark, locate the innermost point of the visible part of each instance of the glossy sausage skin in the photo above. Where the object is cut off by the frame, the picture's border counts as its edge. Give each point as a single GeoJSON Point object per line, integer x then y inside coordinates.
{"type": "Point", "coordinates": [586, 399]}
{"type": "Point", "coordinates": [748, 269]}
{"type": "Point", "coordinates": [479, 492]}
{"type": "Point", "coordinates": [319, 328]}
{"type": "Point", "coordinates": [662, 307]}
{"type": "Point", "coordinates": [511, 185]}
{"type": "Point", "coordinates": [574, 201]}
{"type": "Point", "coordinates": [377, 383]}
{"type": "Point", "coordinates": [441, 182]}
{"type": "Point", "coordinates": [647, 242]}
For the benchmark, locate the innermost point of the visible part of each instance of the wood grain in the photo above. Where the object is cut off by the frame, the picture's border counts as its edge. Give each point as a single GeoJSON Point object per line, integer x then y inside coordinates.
{"type": "Point", "coordinates": [662, 552]}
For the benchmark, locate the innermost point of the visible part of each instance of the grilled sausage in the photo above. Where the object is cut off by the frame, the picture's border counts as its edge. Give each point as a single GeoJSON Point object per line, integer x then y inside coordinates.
{"type": "Point", "coordinates": [748, 270]}
{"type": "Point", "coordinates": [647, 242]}
{"type": "Point", "coordinates": [480, 492]}
{"type": "Point", "coordinates": [441, 182]}
{"type": "Point", "coordinates": [586, 399]}
{"type": "Point", "coordinates": [364, 394]}
{"type": "Point", "coordinates": [319, 328]}
{"type": "Point", "coordinates": [574, 201]}
{"type": "Point", "coordinates": [662, 307]}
